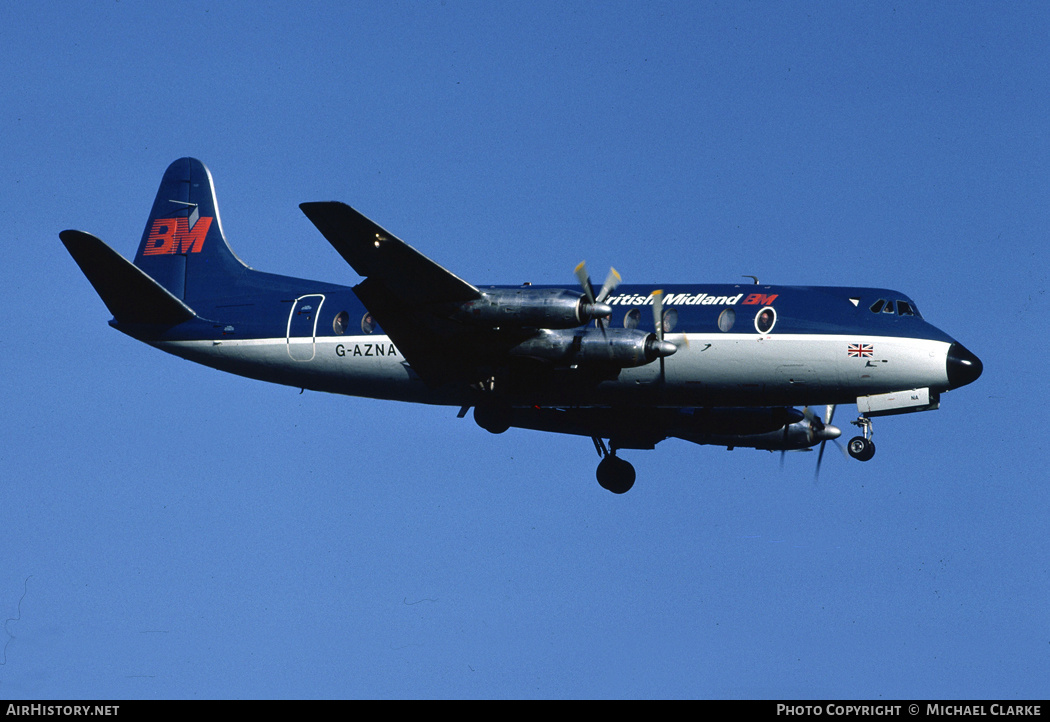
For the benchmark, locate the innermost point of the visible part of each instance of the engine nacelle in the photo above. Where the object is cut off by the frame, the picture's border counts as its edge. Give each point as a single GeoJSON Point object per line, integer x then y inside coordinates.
{"type": "Point", "coordinates": [531, 308]}
{"type": "Point", "coordinates": [620, 347]}
{"type": "Point", "coordinates": [753, 428]}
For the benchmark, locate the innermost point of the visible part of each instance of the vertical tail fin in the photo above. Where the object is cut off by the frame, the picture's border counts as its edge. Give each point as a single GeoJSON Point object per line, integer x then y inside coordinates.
{"type": "Point", "coordinates": [183, 247]}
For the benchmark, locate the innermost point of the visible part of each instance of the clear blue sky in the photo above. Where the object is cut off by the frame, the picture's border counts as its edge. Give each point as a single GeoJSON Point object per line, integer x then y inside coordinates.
{"type": "Point", "coordinates": [171, 531]}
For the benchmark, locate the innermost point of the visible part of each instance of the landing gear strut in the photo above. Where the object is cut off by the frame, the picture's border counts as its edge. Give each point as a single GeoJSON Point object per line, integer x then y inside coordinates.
{"type": "Point", "coordinates": [613, 473]}
{"type": "Point", "coordinates": [861, 447]}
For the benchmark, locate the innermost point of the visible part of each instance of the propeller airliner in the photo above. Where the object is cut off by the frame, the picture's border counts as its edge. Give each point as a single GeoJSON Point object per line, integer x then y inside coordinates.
{"type": "Point", "coordinates": [625, 365]}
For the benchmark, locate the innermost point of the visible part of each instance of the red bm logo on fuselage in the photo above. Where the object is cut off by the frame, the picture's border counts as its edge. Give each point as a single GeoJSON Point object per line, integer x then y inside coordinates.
{"type": "Point", "coordinates": [174, 235]}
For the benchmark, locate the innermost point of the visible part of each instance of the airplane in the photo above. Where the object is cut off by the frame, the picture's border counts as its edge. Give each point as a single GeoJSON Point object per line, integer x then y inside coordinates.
{"type": "Point", "coordinates": [627, 365]}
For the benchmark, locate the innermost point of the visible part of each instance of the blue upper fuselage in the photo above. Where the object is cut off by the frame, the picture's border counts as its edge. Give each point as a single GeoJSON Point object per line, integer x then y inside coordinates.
{"type": "Point", "coordinates": [262, 311]}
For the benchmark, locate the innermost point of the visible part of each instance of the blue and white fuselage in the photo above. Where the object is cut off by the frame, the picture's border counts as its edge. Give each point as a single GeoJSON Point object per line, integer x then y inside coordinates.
{"type": "Point", "coordinates": [825, 346]}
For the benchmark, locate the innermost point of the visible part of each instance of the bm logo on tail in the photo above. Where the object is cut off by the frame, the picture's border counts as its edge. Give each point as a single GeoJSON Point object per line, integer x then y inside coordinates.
{"type": "Point", "coordinates": [174, 235]}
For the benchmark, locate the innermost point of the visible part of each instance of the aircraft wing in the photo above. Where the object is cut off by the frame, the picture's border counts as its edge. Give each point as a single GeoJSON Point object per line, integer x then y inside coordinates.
{"type": "Point", "coordinates": [408, 294]}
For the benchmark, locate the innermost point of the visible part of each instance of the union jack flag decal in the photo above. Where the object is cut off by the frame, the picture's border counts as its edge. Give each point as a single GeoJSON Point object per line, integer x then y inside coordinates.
{"type": "Point", "coordinates": [860, 350]}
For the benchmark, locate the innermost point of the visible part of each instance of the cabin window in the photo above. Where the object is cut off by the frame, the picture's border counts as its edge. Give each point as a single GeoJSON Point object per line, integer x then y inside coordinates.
{"type": "Point", "coordinates": [877, 306]}
{"type": "Point", "coordinates": [340, 322]}
{"type": "Point", "coordinates": [670, 319]}
{"type": "Point", "coordinates": [765, 319]}
{"type": "Point", "coordinates": [368, 324]}
{"type": "Point", "coordinates": [726, 319]}
{"type": "Point", "coordinates": [632, 318]}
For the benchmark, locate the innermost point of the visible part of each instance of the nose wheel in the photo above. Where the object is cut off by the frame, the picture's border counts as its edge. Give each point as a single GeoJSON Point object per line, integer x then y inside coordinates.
{"type": "Point", "coordinates": [862, 448]}
{"type": "Point", "coordinates": [614, 474]}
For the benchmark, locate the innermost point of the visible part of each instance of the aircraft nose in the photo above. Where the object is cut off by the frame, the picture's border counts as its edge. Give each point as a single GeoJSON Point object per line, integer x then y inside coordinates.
{"type": "Point", "coordinates": [963, 366]}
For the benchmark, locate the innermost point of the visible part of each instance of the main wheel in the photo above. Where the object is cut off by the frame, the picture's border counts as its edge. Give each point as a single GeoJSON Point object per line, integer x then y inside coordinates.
{"type": "Point", "coordinates": [861, 449]}
{"type": "Point", "coordinates": [494, 418]}
{"type": "Point", "coordinates": [615, 474]}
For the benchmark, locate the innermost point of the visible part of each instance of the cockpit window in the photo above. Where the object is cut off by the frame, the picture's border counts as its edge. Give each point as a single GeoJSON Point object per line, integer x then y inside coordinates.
{"type": "Point", "coordinates": [900, 307]}
{"type": "Point", "coordinates": [765, 319]}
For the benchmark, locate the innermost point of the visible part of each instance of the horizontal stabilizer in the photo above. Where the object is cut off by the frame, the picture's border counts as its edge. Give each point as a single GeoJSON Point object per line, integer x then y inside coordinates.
{"type": "Point", "coordinates": [128, 292]}
{"type": "Point", "coordinates": [377, 254]}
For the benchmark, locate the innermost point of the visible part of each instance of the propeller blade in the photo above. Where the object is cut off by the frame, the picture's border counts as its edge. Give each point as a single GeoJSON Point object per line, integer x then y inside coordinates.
{"type": "Point", "coordinates": [666, 348]}
{"type": "Point", "coordinates": [829, 414]}
{"type": "Point", "coordinates": [820, 458]}
{"type": "Point", "coordinates": [658, 322]}
{"type": "Point", "coordinates": [598, 309]}
{"type": "Point", "coordinates": [658, 312]}
{"type": "Point", "coordinates": [827, 432]}
{"type": "Point", "coordinates": [842, 449]}
{"type": "Point", "coordinates": [611, 282]}
{"type": "Point", "coordinates": [783, 451]}
{"type": "Point", "coordinates": [585, 281]}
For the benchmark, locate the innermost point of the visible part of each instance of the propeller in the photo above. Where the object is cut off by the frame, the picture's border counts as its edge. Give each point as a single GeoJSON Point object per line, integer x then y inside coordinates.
{"type": "Point", "coordinates": [663, 348]}
{"type": "Point", "coordinates": [611, 282]}
{"type": "Point", "coordinates": [600, 309]}
{"type": "Point", "coordinates": [666, 348]}
{"type": "Point", "coordinates": [824, 431]}
{"type": "Point", "coordinates": [819, 429]}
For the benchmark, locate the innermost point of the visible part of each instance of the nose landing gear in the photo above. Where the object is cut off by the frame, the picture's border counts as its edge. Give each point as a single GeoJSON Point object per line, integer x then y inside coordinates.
{"type": "Point", "coordinates": [861, 447]}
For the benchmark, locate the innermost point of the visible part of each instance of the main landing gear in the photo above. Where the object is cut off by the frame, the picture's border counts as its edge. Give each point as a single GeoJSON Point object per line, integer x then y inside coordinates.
{"type": "Point", "coordinates": [861, 447]}
{"type": "Point", "coordinates": [613, 473]}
